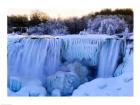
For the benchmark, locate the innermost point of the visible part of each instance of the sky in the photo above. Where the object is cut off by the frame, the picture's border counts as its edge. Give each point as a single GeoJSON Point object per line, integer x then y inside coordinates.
{"type": "Point", "coordinates": [60, 8]}
{"type": "Point", "coordinates": [55, 13]}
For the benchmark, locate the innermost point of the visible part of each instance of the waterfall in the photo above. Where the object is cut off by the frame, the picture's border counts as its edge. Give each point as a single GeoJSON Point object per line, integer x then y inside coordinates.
{"type": "Point", "coordinates": [127, 64]}
{"type": "Point", "coordinates": [51, 60]}
{"type": "Point", "coordinates": [109, 57]}
{"type": "Point", "coordinates": [85, 49]}
{"type": "Point", "coordinates": [40, 57]}
{"type": "Point", "coordinates": [33, 57]}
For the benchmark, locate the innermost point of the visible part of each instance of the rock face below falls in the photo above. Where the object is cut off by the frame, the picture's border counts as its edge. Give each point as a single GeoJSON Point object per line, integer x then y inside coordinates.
{"type": "Point", "coordinates": [41, 57]}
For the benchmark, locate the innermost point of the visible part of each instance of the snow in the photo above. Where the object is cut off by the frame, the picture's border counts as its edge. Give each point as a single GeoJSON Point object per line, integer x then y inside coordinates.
{"type": "Point", "coordinates": [25, 87]}
{"type": "Point", "coordinates": [51, 27]}
{"type": "Point", "coordinates": [105, 25]}
{"type": "Point", "coordinates": [114, 86]}
{"type": "Point", "coordinates": [29, 91]}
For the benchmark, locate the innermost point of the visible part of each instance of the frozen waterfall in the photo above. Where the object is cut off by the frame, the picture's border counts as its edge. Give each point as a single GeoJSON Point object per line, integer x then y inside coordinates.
{"type": "Point", "coordinates": [33, 57]}
{"type": "Point", "coordinates": [110, 55]}
{"type": "Point", "coordinates": [38, 57]}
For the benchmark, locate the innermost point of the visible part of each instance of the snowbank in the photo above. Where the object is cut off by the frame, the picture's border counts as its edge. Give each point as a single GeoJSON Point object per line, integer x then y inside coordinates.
{"type": "Point", "coordinates": [115, 86]}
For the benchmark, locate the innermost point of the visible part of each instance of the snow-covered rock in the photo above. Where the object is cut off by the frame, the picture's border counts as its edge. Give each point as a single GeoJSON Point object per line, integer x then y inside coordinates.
{"type": "Point", "coordinates": [63, 83]}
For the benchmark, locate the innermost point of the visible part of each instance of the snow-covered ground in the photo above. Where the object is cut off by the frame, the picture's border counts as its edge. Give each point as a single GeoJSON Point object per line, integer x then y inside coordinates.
{"type": "Point", "coordinates": [115, 86]}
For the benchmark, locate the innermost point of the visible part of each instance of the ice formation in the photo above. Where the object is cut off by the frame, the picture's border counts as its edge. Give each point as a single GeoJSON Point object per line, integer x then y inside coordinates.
{"type": "Point", "coordinates": [127, 64]}
{"type": "Point", "coordinates": [63, 83]}
{"type": "Point", "coordinates": [25, 87]}
{"type": "Point", "coordinates": [34, 56]}
{"type": "Point", "coordinates": [83, 48]}
{"type": "Point", "coordinates": [42, 57]}
{"type": "Point", "coordinates": [111, 53]}
{"type": "Point", "coordinates": [112, 86]}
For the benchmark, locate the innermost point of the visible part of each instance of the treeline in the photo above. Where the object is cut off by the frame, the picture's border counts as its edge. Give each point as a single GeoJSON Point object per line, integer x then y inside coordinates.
{"type": "Point", "coordinates": [74, 25]}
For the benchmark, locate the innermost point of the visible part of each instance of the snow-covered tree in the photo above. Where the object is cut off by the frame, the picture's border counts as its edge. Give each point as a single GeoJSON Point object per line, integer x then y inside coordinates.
{"type": "Point", "coordinates": [51, 27]}
{"type": "Point", "coordinates": [106, 25]}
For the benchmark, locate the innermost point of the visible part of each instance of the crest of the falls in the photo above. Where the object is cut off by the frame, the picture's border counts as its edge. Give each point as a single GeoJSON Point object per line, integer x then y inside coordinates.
{"type": "Point", "coordinates": [33, 57]}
